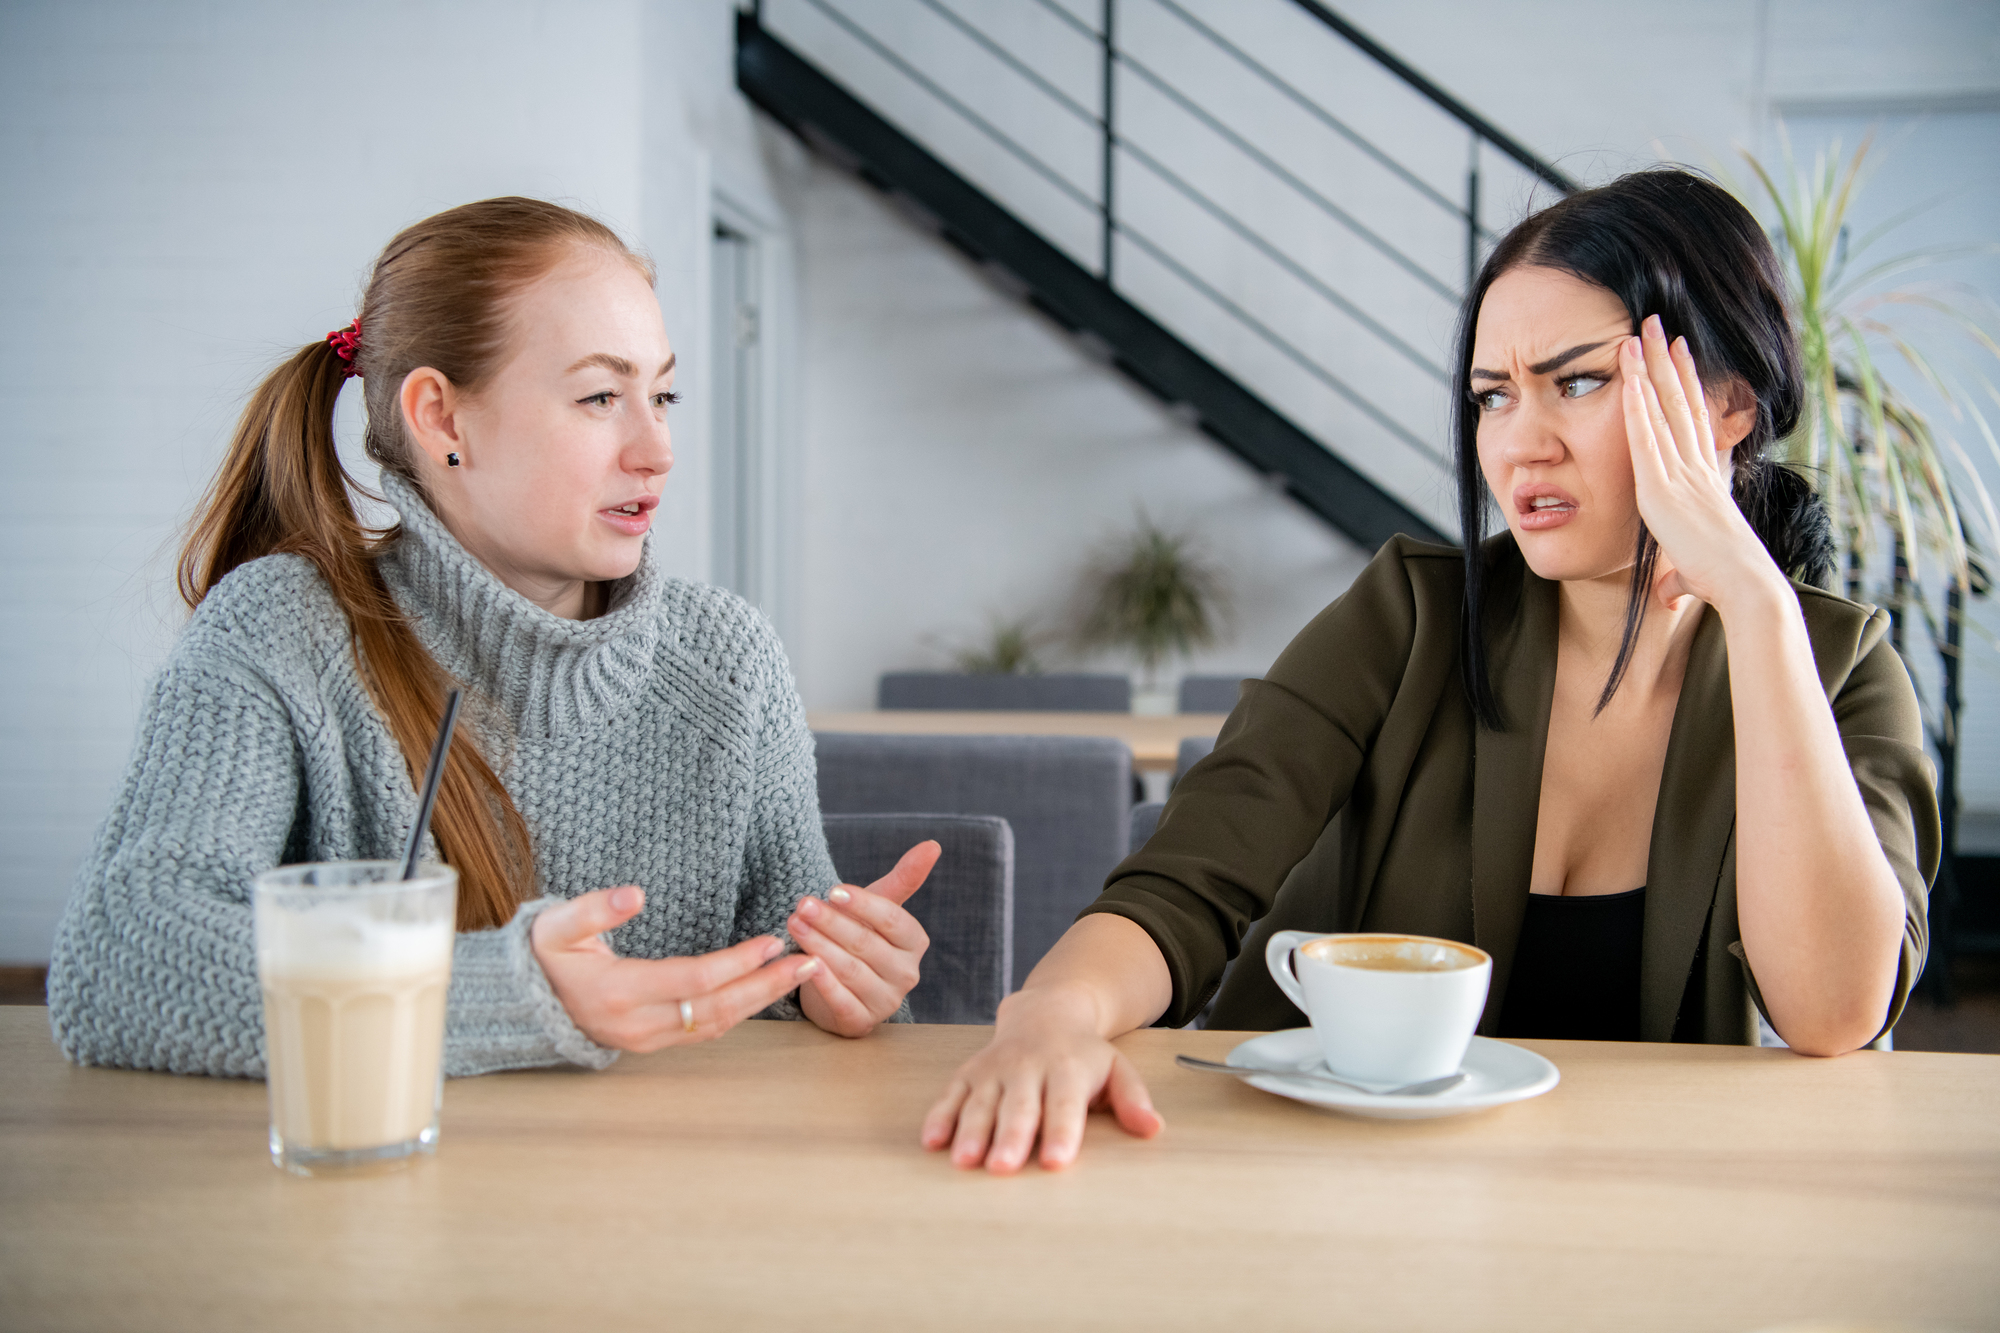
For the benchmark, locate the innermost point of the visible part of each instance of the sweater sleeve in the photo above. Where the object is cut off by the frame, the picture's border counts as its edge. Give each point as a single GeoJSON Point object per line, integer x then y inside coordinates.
{"type": "Point", "coordinates": [785, 856]}
{"type": "Point", "coordinates": [155, 966]}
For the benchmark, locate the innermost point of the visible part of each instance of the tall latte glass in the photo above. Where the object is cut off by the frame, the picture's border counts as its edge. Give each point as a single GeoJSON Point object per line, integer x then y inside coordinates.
{"type": "Point", "coordinates": [354, 962]}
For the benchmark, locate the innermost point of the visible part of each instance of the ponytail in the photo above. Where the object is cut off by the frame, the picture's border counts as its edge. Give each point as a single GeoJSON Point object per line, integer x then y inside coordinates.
{"type": "Point", "coordinates": [282, 489]}
{"type": "Point", "coordinates": [1788, 517]}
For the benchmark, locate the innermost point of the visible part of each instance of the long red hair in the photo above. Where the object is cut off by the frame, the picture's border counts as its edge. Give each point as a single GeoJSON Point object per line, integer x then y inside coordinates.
{"type": "Point", "coordinates": [439, 296]}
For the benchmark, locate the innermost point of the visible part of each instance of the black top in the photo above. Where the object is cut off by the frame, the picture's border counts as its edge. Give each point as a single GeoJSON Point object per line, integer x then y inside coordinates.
{"type": "Point", "coordinates": [1576, 968]}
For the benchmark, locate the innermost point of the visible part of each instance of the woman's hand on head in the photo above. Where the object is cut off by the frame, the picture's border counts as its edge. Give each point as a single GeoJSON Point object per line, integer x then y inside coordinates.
{"type": "Point", "coordinates": [635, 1004]}
{"type": "Point", "coordinates": [868, 945]}
{"type": "Point", "coordinates": [1045, 1070]}
{"type": "Point", "coordinates": [1681, 470]}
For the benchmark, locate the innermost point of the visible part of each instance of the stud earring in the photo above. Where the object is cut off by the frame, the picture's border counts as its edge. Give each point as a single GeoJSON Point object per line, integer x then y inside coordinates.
{"type": "Point", "coordinates": [451, 460]}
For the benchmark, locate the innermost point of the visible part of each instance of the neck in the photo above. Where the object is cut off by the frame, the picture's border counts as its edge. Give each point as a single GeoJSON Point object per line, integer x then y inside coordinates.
{"type": "Point", "coordinates": [1593, 626]}
{"type": "Point", "coordinates": [572, 599]}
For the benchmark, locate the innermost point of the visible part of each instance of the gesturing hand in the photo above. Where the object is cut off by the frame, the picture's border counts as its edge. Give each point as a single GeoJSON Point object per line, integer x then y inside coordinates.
{"type": "Point", "coordinates": [868, 945]}
{"type": "Point", "coordinates": [1682, 473]}
{"type": "Point", "coordinates": [643, 1004]}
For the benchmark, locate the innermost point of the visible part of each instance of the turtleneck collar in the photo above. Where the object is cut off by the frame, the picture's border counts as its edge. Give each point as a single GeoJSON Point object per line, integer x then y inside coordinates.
{"type": "Point", "coordinates": [543, 674]}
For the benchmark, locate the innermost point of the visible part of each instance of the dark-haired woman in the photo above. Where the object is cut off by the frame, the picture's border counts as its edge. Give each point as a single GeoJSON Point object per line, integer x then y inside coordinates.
{"type": "Point", "coordinates": [1614, 746]}
{"type": "Point", "coordinates": [634, 762]}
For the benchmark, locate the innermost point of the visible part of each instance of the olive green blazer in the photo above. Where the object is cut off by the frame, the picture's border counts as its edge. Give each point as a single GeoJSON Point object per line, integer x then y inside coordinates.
{"type": "Point", "coordinates": [1353, 789]}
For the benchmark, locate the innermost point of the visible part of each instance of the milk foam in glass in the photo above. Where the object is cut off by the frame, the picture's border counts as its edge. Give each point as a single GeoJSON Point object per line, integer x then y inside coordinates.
{"type": "Point", "coordinates": [354, 963]}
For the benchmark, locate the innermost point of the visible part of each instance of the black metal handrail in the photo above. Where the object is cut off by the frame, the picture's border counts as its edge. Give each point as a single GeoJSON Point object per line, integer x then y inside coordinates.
{"type": "Point", "coordinates": [1117, 60]}
{"type": "Point", "coordinates": [1471, 119]}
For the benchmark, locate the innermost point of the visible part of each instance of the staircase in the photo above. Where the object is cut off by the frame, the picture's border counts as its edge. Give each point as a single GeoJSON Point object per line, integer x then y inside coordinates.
{"type": "Point", "coordinates": [1247, 206]}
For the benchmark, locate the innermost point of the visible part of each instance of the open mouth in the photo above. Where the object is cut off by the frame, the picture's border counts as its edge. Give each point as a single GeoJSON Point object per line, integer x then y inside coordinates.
{"type": "Point", "coordinates": [1543, 507]}
{"type": "Point", "coordinates": [633, 517]}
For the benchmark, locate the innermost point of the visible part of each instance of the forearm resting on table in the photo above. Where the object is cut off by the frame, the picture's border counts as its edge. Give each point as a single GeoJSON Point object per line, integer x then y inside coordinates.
{"type": "Point", "coordinates": [1105, 968]}
{"type": "Point", "coordinates": [1820, 910]}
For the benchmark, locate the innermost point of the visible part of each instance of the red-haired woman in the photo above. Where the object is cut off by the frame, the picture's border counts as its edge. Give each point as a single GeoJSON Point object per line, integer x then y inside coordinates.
{"type": "Point", "coordinates": [623, 728]}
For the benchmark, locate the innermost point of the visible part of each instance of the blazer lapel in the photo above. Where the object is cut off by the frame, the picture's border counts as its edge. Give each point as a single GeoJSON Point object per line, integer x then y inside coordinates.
{"type": "Point", "coordinates": [1693, 821]}
{"type": "Point", "coordinates": [1507, 778]}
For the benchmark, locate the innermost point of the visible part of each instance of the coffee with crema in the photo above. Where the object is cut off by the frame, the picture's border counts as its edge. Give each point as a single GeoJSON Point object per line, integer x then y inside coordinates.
{"type": "Point", "coordinates": [1392, 953]}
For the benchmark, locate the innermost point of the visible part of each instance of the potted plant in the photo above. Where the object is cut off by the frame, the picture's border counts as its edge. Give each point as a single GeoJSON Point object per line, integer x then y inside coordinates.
{"type": "Point", "coordinates": [1883, 465]}
{"type": "Point", "coordinates": [1155, 594]}
{"type": "Point", "coordinates": [1008, 650]}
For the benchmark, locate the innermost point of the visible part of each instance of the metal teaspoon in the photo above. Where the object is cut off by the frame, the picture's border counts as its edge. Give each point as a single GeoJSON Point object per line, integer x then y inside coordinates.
{"type": "Point", "coordinates": [1429, 1087]}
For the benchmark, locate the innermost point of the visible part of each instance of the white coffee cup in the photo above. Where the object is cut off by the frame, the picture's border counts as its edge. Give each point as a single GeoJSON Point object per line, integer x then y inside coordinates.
{"type": "Point", "coordinates": [1389, 1009]}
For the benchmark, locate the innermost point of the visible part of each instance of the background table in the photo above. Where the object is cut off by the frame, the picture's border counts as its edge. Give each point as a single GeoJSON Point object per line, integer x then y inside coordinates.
{"type": "Point", "coordinates": [1155, 739]}
{"type": "Point", "coordinates": [772, 1180]}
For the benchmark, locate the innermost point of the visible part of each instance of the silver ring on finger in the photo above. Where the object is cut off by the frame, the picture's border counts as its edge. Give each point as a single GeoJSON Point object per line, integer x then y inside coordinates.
{"type": "Point", "coordinates": [687, 1015]}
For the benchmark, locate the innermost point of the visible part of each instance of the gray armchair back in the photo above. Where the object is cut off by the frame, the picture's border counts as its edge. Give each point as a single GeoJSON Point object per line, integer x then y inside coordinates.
{"type": "Point", "coordinates": [966, 906]}
{"type": "Point", "coordinates": [1068, 800]}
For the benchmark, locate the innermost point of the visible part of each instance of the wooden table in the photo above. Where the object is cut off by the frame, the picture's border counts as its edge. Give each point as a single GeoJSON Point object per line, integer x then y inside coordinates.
{"type": "Point", "coordinates": [772, 1180]}
{"type": "Point", "coordinates": [1155, 739]}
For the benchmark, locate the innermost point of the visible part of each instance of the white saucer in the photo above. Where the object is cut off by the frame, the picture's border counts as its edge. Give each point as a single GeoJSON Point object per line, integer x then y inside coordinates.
{"type": "Point", "coordinates": [1495, 1073]}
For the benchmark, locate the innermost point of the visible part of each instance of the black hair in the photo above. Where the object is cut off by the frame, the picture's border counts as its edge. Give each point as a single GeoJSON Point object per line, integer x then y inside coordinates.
{"type": "Point", "coordinates": [1670, 243]}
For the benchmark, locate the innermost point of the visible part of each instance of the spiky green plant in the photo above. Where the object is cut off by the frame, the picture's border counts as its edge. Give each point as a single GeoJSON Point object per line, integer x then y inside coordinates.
{"type": "Point", "coordinates": [1880, 462]}
{"type": "Point", "coordinates": [1155, 594]}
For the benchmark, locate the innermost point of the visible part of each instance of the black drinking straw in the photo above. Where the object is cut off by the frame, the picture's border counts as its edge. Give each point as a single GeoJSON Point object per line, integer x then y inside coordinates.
{"type": "Point", "coordinates": [430, 793]}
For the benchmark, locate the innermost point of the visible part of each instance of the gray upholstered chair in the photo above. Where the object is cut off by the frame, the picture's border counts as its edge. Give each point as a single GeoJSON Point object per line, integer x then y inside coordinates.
{"type": "Point", "coordinates": [1209, 694]}
{"type": "Point", "coordinates": [1192, 749]}
{"type": "Point", "coordinates": [1074, 692]}
{"type": "Point", "coordinates": [1145, 818]}
{"type": "Point", "coordinates": [1067, 799]}
{"type": "Point", "coordinates": [966, 906]}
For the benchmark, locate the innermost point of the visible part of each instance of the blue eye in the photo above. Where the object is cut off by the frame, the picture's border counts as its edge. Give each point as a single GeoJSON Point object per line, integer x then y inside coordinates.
{"type": "Point", "coordinates": [1489, 401]}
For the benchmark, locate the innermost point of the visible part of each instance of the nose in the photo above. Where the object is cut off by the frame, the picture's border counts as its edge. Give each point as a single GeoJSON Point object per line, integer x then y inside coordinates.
{"type": "Point", "coordinates": [1533, 438]}
{"type": "Point", "coordinates": [650, 451]}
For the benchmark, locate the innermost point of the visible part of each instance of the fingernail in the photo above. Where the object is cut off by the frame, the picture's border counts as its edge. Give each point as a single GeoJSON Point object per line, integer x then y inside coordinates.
{"type": "Point", "coordinates": [839, 895]}
{"type": "Point", "coordinates": [772, 949]}
{"type": "Point", "coordinates": [807, 906]}
{"type": "Point", "coordinates": [811, 966]}
{"type": "Point", "coordinates": [628, 899]}
{"type": "Point", "coordinates": [1655, 323]}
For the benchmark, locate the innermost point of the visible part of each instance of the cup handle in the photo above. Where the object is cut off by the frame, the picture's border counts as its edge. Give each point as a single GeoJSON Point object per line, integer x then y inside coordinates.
{"type": "Point", "coordinates": [1278, 957]}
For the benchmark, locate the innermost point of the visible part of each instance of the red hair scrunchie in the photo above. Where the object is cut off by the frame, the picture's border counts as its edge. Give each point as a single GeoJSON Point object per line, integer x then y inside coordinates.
{"type": "Point", "coordinates": [346, 344]}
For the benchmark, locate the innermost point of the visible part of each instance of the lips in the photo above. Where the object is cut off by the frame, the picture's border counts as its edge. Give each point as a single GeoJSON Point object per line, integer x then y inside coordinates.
{"type": "Point", "coordinates": [631, 517]}
{"type": "Point", "coordinates": [1542, 506]}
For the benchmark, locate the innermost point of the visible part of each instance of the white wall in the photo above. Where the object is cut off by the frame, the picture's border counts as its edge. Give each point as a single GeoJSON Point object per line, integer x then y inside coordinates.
{"type": "Point", "coordinates": [193, 191]}
{"type": "Point", "coordinates": [963, 460]}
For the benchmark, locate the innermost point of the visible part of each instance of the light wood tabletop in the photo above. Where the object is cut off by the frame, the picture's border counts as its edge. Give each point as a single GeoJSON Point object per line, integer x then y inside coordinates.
{"type": "Point", "coordinates": [1155, 738]}
{"type": "Point", "coordinates": [773, 1180]}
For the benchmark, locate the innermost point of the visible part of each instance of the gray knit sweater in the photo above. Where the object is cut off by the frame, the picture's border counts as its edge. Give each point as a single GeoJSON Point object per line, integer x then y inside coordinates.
{"type": "Point", "coordinates": [661, 744]}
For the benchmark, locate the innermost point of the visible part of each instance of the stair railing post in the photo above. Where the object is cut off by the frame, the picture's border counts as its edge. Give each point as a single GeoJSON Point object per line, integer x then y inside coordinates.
{"type": "Point", "coordinates": [1110, 136]}
{"type": "Point", "coordinates": [1472, 212]}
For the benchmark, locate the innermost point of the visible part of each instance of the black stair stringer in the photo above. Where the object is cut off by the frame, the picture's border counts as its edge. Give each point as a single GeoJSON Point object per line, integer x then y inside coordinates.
{"type": "Point", "coordinates": [820, 111]}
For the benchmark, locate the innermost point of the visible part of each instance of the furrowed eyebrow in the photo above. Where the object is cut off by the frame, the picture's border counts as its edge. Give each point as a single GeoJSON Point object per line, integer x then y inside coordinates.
{"type": "Point", "coordinates": [1556, 362]}
{"type": "Point", "coordinates": [1561, 359]}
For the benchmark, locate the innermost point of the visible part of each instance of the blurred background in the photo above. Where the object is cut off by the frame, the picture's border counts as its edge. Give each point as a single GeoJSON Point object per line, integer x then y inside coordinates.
{"type": "Point", "coordinates": [965, 293]}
